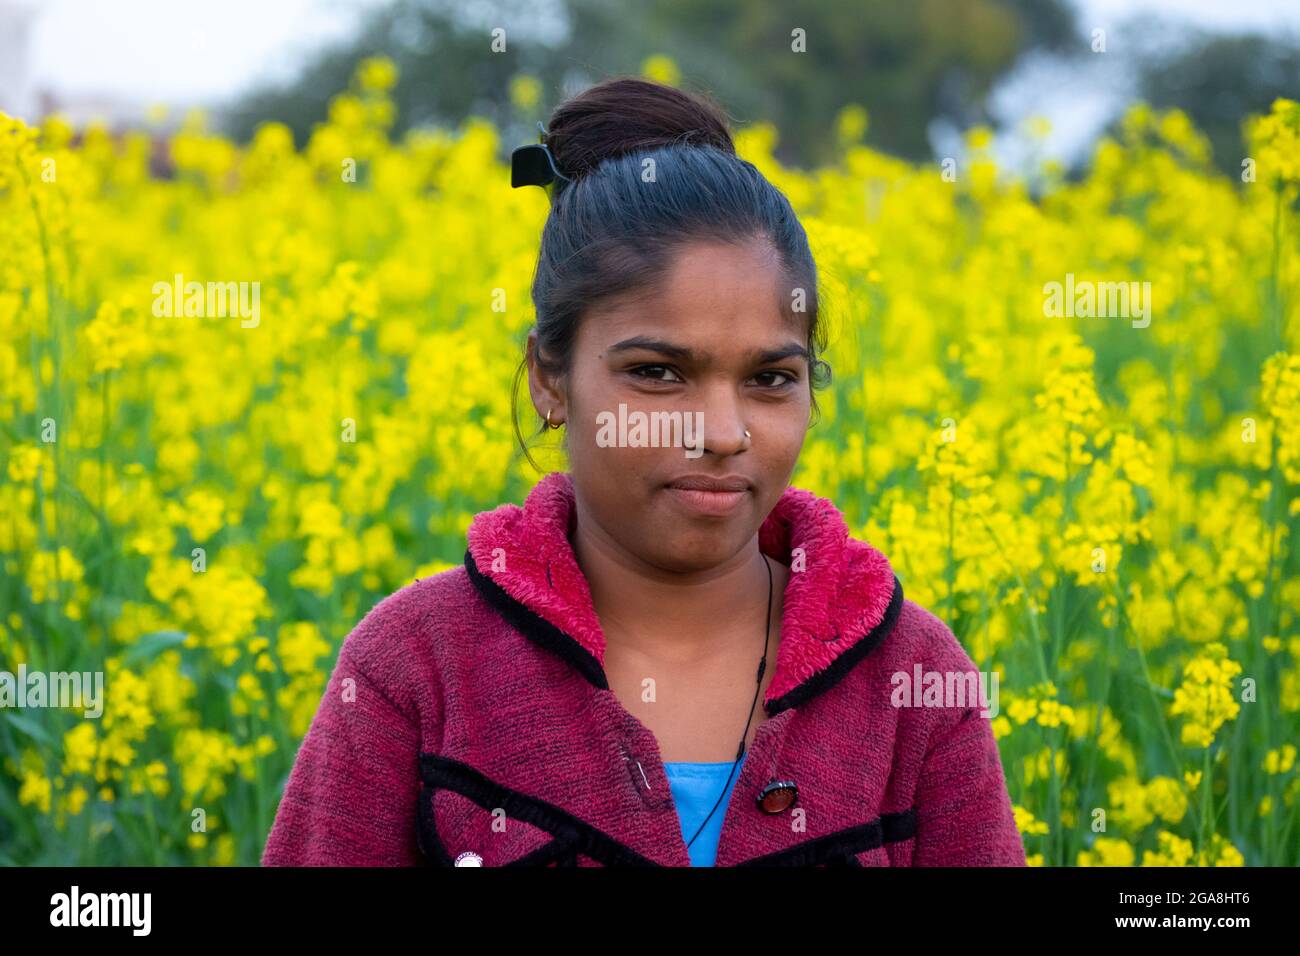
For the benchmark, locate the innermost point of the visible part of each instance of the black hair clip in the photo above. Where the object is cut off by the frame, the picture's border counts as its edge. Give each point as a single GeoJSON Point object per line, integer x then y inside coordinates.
{"type": "Point", "coordinates": [533, 165]}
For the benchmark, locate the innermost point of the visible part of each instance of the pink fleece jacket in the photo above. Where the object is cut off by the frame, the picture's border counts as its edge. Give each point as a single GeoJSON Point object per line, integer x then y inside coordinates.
{"type": "Point", "coordinates": [468, 717]}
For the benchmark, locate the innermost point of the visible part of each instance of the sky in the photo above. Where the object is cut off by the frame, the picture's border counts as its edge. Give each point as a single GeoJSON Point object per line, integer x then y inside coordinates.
{"type": "Point", "coordinates": [178, 51]}
{"type": "Point", "coordinates": [1080, 98]}
{"type": "Point", "coordinates": [1217, 14]}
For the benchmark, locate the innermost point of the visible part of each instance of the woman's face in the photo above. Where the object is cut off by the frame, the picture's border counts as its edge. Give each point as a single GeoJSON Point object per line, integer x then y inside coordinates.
{"type": "Point", "coordinates": [705, 357]}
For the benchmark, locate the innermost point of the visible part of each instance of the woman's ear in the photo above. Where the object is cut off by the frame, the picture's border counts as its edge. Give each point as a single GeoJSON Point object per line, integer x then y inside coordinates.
{"type": "Point", "coordinates": [545, 387]}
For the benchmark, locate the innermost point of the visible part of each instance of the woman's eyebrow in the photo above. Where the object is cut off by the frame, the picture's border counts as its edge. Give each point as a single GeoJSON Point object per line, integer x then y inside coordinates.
{"type": "Point", "coordinates": [793, 350]}
{"type": "Point", "coordinates": [761, 356]}
{"type": "Point", "coordinates": [654, 345]}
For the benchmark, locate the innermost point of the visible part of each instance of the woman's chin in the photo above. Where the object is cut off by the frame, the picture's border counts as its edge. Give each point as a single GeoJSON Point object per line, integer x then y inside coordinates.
{"type": "Point", "coordinates": [697, 546]}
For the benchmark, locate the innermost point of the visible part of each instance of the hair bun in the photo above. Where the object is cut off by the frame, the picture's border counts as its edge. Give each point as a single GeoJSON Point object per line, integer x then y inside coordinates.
{"type": "Point", "coordinates": [627, 114]}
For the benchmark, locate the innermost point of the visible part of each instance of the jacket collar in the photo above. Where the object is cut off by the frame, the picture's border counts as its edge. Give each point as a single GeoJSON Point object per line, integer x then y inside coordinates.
{"type": "Point", "coordinates": [838, 609]}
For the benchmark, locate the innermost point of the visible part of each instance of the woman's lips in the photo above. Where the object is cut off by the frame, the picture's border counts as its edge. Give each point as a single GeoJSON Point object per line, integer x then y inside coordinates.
{"type": "Point", "coordinates": [716, 504]}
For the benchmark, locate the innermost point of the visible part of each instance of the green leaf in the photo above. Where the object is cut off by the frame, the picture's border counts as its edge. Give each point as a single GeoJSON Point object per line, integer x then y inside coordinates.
{"type": "Point", "coordinates": [151, 645]}
{"type": "Point", "coordinates": [31, 728]}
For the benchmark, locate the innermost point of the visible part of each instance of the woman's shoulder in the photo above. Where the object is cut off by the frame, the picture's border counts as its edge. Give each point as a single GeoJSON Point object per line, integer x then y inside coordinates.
{"type": "Point", "coordinates": [406, 646]}
{"type": "Point", "coordinates": [921, 637]}
{"type": "Point", "coordinates": [424, 599]}
{"type": "Point", "coordinates": [414, 622]}
{"type": "Point", "coordinates": [922, 674]}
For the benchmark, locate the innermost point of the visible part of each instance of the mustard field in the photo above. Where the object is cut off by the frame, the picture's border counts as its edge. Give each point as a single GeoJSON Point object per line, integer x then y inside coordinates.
{"type": "Point", "coordinates": [244, 401]}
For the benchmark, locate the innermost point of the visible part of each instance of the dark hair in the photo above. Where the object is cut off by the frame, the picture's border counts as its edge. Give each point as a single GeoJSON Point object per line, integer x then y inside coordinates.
{"type": "Point", "coordinates": [608, 236]}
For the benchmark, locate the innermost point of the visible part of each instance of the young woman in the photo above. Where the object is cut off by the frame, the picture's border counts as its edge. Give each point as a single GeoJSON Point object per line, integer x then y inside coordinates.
{"type": "Point", "coordinates": [585, 689]}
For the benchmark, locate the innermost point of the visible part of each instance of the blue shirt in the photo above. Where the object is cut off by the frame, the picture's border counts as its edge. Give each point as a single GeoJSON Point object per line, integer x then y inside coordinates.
{"type": "Point", "coordinates": [695, 788]}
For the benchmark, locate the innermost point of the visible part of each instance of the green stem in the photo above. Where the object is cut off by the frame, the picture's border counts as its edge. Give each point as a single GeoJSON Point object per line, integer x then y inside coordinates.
{"type": "Point", "coordinates": [103, 449]}
{"type": "Point", "coordinates": [1149, 683]}
{"type": "Point", "coordinates": [952, 583]}
{"type": "Point", "coordinates": [1207, 801]}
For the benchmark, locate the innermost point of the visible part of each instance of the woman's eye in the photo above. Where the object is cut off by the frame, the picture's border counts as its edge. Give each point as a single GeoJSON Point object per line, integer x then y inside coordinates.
{"type": "Point", "coordinates": [649, 371]}
{"type": "Point", "coordinates": [785, 378]}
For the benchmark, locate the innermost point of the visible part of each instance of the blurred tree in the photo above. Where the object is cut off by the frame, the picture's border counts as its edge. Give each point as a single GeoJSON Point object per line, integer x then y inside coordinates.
{"type": "Point", "coordinates": [1218, 81]}
{"type": "Point", "coordinates": [905, 62]}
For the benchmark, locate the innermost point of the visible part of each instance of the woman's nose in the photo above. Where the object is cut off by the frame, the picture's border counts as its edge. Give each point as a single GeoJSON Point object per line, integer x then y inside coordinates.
{"type": "Point", "coordinates": [724, 427]}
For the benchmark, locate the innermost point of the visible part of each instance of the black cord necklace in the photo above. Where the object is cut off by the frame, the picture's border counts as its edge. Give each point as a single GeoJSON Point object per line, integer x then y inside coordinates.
{"type": "Point", "coordinates": [762, 666]}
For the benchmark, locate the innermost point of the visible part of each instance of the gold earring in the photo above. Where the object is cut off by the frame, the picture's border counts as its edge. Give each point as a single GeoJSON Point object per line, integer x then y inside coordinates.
{"type": "Point", "coordinates": [548, 419]}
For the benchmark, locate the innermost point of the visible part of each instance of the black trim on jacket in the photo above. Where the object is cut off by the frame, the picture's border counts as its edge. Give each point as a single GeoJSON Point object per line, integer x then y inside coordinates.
{"type": "Point", "coordinates": [842, 846]}
{"type": "Point", "coordinates": [542, 632]}
{"type": "Point", "coordinates": [535, 627]}
{"type": "Point", "coordinates": [573, 836]}
{"type": "Point", "coordinates": [825, 679]}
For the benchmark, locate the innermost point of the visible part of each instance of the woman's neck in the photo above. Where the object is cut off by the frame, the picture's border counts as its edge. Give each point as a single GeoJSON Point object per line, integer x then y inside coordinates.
{"type": "Point", "coordinates": [677, 617]}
